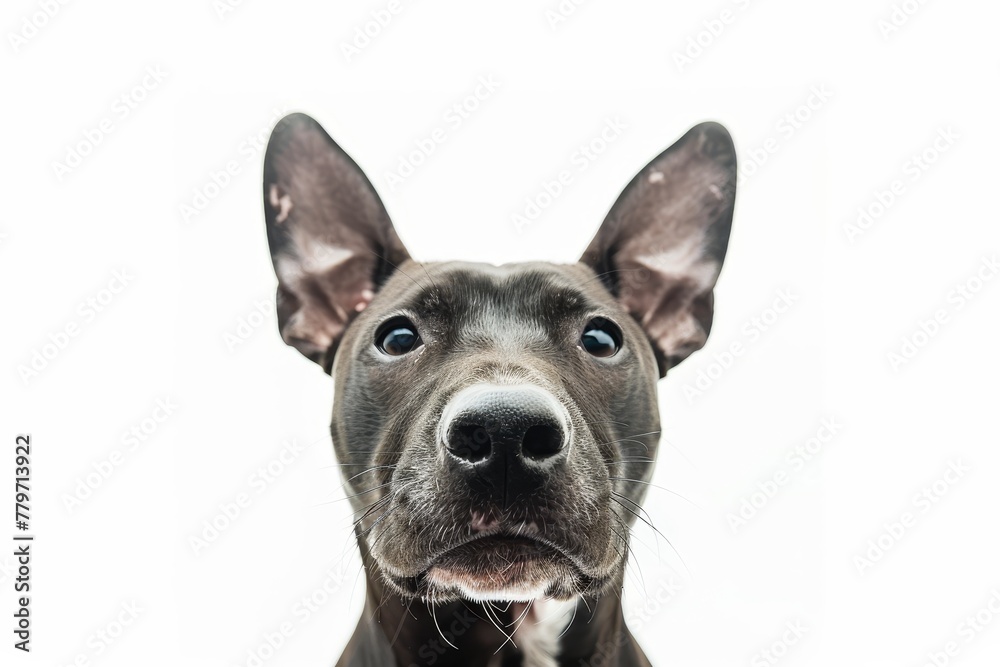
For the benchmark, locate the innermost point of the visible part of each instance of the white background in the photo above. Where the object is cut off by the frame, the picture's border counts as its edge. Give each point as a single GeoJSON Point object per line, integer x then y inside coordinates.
{"type": "Point", "coordinates": [194, 284]}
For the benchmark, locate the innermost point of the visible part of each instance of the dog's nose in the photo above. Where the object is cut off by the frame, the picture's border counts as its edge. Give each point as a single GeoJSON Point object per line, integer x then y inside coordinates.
{"type": "Point", "coordinates": [485, 421]}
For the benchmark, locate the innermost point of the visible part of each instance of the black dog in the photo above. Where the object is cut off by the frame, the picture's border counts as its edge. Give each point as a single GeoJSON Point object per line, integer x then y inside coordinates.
{"type": "Point", "coordinates": [498, 425]}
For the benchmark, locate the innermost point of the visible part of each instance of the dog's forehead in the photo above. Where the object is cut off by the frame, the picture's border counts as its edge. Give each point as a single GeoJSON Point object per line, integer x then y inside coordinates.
{"type": "Point", "coordinates": [539, 288]}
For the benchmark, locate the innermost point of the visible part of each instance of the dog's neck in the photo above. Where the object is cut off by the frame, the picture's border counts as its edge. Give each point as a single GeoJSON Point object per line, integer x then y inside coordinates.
{"type": "Point", "coordinates": [544, 633]}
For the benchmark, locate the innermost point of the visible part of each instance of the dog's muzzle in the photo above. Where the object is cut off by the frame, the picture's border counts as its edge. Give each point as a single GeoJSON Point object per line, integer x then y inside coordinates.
{"type": "Point", "coordinates": [507, 500]}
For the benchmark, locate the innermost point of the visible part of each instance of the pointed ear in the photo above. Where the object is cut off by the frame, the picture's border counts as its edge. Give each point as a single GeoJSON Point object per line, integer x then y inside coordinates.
{"type": "Point", "coordinates": [332, 243]}
{"type": "Point", "coordinates": [660, 249]}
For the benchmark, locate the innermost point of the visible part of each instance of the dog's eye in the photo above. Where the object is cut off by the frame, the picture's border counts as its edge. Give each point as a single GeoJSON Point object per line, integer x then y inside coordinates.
{"type": "Point", "coordinates": [601, 337]}
{"type": "Point", "coordinates": [397, 338]}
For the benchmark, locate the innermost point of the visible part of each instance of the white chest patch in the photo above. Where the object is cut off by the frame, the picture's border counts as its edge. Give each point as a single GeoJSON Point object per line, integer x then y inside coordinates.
{"type": "Point", "coordinates": [538, 635]}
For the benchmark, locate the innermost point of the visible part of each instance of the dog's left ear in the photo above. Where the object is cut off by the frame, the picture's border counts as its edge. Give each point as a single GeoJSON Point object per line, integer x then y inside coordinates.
{"type": "Point", "coordinates": [332, 243]}
{"type": "Point", "coordinates": [660, 249]}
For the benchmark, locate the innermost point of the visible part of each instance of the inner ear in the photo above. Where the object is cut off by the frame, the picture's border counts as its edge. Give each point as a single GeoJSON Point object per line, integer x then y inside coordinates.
{"type": "Point", "coordinates": [332, 243]}
{"type": "Point", "coordinates": [661, 247]}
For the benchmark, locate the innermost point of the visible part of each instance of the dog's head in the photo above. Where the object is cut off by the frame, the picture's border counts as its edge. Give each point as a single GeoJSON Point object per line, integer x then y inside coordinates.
{"type": "Point", "coordinates": [497, 425]}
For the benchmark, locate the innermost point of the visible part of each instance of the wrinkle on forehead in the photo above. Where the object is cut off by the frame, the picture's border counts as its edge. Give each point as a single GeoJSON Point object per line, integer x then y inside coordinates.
{"type": "Point", "coordinates": [512, 302]}
{"type": "Point", "coordinates": [517, 287]}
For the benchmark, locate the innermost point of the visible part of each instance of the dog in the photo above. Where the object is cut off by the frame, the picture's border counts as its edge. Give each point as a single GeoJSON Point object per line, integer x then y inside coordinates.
{"type": "Point", "coordinates": [497, 425]}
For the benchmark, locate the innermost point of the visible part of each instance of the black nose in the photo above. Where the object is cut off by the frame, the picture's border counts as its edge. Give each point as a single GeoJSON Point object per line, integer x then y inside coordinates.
{"type": "Point", "coordinates": [488, 421]}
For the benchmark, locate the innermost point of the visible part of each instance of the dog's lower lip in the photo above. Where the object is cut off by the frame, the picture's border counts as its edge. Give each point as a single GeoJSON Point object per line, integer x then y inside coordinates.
{"type": "Point", "coordinates": [498, 565]}
{"type": "Point", "coordinates": [511, 548]}
{"type": "Point", "coordinates": [515, 541]}
{"type": "Point", "coordinates": [492, 558]}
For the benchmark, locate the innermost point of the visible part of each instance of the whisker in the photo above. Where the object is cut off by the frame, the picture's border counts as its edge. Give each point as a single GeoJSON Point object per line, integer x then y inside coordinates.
{"type": "Point", "coordinates": [606, 421]}
{"type": "Point", "coordinates": [655, 486]}
{"type": "Point", "coordinates": [631, 553]}
{"type": "Point", "coordinates": [648, 523]}
{"type": "Point", "coordinates": [350, 479]}
{"type": "Point", "coordinates": [633, 435]}
{"type": "Point", "coordinates": [397, 268]}
{"type": "Point", "coordinates": [520, 620]}
{"type": "Point", "coordinates": [356, 495]}
{"type": "Point", "coordinates": [570, 624]}
{"type": "Point", "coordinates": [427, 273]}
{"type": "Point", "coordinates": [496, 623]}
{"type": "Point", "coordinates": [401, 620]}
{"type": "Point", "coordinates": [345, 465]}
{"type": "Point", "coordinates": [433, 610]}
{"type": "Point", "coordinates": [678, 450]}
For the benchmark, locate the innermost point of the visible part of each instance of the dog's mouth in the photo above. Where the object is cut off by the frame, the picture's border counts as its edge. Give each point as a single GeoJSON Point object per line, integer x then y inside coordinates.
{"type": "Point", "coordinates": [495, 552]}
{"type": "Point", "coordinates": [498, 567]}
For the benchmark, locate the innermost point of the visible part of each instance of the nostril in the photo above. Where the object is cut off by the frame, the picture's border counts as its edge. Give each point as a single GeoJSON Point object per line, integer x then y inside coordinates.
{"type": "Point", "coordinates": [470, 442]}
{"type": "Point", "coordinates": [541, 442]}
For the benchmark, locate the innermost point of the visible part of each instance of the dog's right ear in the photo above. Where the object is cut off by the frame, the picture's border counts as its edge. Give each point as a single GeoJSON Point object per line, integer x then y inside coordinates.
{"type": "Point", "coordinates": [332, 243]}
